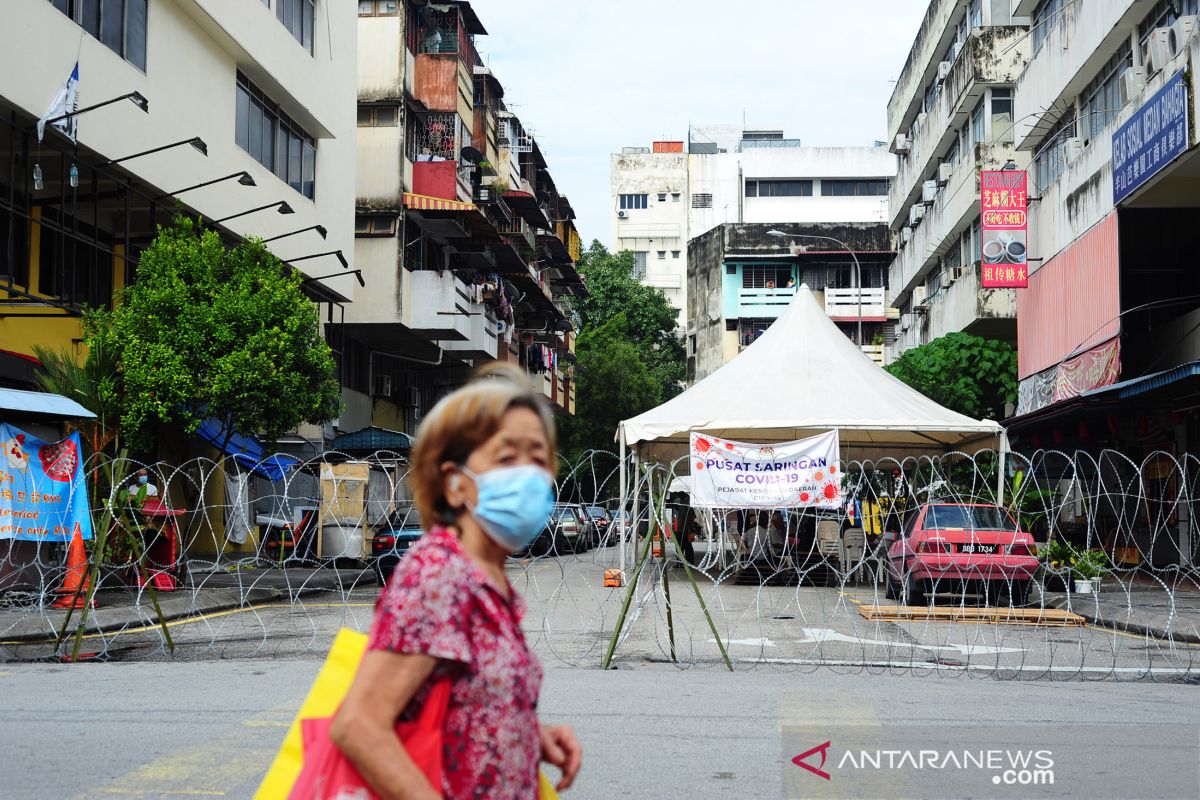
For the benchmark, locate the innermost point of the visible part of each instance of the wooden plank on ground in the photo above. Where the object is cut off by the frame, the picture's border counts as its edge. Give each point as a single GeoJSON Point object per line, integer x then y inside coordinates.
{"type": "Point", "coordinates": [1045, 617]}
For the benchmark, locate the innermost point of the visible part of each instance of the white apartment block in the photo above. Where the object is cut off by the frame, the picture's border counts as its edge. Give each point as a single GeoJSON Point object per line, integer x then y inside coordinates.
{"type": "Point", "coordinates": [249, 115]}
{"type": "Point", "coordinates": [662, 197]}
{"type": "Point", "coordinates": [951, 116]}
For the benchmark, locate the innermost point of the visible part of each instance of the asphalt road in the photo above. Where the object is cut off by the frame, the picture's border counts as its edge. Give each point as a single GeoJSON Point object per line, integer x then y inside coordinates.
{"type": "Point", "coordinates": [210, 728]}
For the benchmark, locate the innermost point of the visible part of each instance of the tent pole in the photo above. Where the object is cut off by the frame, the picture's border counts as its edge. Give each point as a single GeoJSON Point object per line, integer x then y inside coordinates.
{"type": "Point", "coordinates": [1001, 465]}
{"type": "Point", "coordinates": [636, 497]}
{"type": "Point", "coordinates": [624, 497]}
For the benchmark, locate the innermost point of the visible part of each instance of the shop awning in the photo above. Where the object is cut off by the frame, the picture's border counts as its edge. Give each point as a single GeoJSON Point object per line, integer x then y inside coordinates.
{"type": "Point", "coordinates": [1148, 383]}
{"type": "Point", "coordinates": [372, 440]}
{"type": "Point", "coordinates": [424, 202]}
{"type": "Point", "coordinates": [245, 450]}
{"type": "Point", "coordinates": [43, 404]}
{"type": "Point", "coordinates": [527, 206]}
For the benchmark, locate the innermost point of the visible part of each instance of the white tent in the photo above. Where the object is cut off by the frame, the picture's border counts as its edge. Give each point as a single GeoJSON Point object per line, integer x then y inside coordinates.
{"type": "Point", "coordinates": [801, 377]}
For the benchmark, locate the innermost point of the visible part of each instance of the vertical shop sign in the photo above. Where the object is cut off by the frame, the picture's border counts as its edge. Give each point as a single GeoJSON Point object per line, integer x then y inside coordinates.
{"type": "Point", "coordinates": [1004, 250]}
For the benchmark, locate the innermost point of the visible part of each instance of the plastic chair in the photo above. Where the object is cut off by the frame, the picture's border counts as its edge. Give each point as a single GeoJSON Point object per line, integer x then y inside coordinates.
{"type": "Point", "coordinates": [854, 548]}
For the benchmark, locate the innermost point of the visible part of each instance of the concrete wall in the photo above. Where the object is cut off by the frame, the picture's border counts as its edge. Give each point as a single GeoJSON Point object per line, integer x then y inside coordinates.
{"type": "Point", "coordinates": [705, 318]}
{"type": "Point", "coordinates": [814, 163]}
{"type": "Point", "coordinates": [381, 57]}
{"type": "Point", "coordinates": [931, 40]}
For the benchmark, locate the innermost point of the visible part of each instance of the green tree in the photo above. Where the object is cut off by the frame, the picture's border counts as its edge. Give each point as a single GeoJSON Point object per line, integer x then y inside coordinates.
{"type": "Point", "coordinates": [965, 373]}
{"type": "Point", "coordinates": [207, 331]}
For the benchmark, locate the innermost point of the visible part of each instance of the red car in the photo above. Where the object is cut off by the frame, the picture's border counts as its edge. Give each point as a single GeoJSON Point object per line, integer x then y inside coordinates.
{"type": "Point", "coordinates": [960, 548]}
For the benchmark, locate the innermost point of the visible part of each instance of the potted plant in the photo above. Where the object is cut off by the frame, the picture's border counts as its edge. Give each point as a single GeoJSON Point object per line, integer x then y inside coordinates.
{"type": "Point", "coordinates": [1089, 567]}
{"type": "Point", "coordinates": [1056, 556]}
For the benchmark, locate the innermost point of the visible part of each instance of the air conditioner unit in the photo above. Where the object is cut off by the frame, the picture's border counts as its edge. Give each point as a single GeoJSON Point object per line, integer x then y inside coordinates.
{"type": "Point", "coordinates": [410, 397]}
{"type": "Point", "coordinates": [929, 192]}
{"type": "Point", "coordinates": [906, 234]}
{"type": "Point", "coordinates": [383, 386]}
{"type": "Point", "coordinates": [946, 280]}
{"type": "Point", "coordinates": [902, 144]}
{"type": "Point", "coordinates": [944, 70]}
{"type": "Point", "coordinates": [945, 170]}
{"type": "Point", "coordinates": [1074, 146]}
{"type": "Point", "coordinates": [958, 272]}
{"type": "Point", "coordinates": [1133, 81]}
{"type": "Point", "coordinates": [905, 321]}
{"type": "Point", "coordinates": [915, 214]}
{"type": "Point", "coordinates": [918, 295]}
{"type": "Point", "coordinates": [1181, 34]}
{"type": "Point", "coordinates": [622, 214]}
{"type": "Point", "coordinates": [1157, 50]}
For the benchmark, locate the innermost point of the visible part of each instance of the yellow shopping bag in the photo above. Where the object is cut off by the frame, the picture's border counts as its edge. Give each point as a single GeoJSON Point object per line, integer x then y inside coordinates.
{"type": "Point", "coordinates": [326, 694]}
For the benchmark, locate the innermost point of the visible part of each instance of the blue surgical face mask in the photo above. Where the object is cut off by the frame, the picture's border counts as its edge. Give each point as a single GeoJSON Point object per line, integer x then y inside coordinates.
{"type": "Point", "coordinates": [143, 479]}
{"type": "Point", "coordinates": [514, 504]}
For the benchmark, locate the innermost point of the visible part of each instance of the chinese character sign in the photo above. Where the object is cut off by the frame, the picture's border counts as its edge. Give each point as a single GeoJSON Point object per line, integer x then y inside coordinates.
{"type": "Point", "coordinates": [803, 473]}
{"type": "Point", "coordinates": [1153, 137]}
{"type": "Point", "coordinates": [43, 496]}
{"type": "Point", "coordinates": [1004, 251]}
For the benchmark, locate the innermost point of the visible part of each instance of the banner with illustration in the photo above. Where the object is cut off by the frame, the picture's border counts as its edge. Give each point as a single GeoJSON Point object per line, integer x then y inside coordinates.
{"type": "Point", "coordinates": [799, 474]}
{"type": "Point", "coordinates": [43, 496]}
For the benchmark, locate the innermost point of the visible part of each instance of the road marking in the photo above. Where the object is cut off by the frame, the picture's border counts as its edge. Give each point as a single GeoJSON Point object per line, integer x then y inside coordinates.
{"type": "Point", "coordinates": [821, 635]}
{"type": "Point", "coordinates": [829, 662]}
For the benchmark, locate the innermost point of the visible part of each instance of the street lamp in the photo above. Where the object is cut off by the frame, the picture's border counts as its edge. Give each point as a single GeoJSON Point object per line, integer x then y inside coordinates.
{"type": "Point", "coordinates": [244, 178]}
{"type": "Point", "coordinates": [195, 142]}
{"type": "Point", "coordinates": [137, 98]}
{"type": "Point", "coordinates": [355, 272]}
{"type": "Point", "coordinates": [320, 229]}
{"type": "Point", "coordinates": [857, 269]}
{"type": "Point", "coordinates": [338, 253]}
{"type": "Point", "coordinates": [283, 206]}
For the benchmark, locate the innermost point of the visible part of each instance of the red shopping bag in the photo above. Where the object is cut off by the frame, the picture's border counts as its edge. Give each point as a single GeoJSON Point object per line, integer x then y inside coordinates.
{"type": "Point", "coordinates": [328, 775]}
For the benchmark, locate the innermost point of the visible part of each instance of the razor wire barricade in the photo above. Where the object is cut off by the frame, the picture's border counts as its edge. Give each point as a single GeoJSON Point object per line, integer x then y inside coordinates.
{"type": "Point", "coordinates": [219, 561]}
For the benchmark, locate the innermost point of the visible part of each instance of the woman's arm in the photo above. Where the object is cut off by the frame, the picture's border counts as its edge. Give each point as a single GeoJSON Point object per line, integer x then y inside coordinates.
{"type": "Point", "coordinates": [364, 728]}
{"type": "Point", "coordinates": [562, 749]}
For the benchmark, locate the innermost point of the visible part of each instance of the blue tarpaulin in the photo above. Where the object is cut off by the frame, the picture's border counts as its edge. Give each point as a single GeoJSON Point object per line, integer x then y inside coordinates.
{"type": "Point", "coordinates": [245, 450]}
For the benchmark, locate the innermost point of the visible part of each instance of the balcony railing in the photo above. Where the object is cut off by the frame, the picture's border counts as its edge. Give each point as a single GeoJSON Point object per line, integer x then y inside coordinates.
{"type": "Point", "coordinates": [763, 302]}
{"type": "Point", "coordinates": [875, 352]}
{"type": "Point", "coordinates": [853, 303]}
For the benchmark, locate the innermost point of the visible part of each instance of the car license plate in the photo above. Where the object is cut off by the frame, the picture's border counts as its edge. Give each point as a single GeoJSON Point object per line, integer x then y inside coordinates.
{"type": "Point", "coordinates": [978, 548]}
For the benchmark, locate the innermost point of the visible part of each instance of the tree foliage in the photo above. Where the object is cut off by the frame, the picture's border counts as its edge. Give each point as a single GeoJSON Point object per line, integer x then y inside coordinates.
{"type": "Point", "coordinates": [629, 356]}
{"type": "Point", "coordinates": [965, 373]}
{"type": "Point", "coordinates": [92, 383]}
{"type": "Point", "coordinates": [207, 331]}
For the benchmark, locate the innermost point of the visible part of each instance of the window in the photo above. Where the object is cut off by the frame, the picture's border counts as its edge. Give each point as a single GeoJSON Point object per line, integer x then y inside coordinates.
{"type": "Point", "coordinates": [1050, 158]}
{"type": "Point", "coordinates": [639, 264]}
{"type": "Point", "coordinates": [376, 8]}
{"type": "Point", "coordinates": [757, 276]}
{"type": "Point", "coordinates": [633, 201]}
{"type": "Point", "coordinates": [750, 328]}
{"type": "Point", "coordinates": [1101, 99]}
{"type": "Point", "coordinates": [274, 140]}
{"type": "Point", "coordinates": [674, 254]}
{"type": "Point", "coordinates": [703, 200]}
{"type": "Point", "coordinates": [368, 225]}
{"type": "Point", "coordinates": [951, 156]}
{"type": "Point", "coordinates": [779, 188]}
{"type": "Point", "coordinates": [662, 254]}
{"type": "Point", "coordinates": [378, 116]}
{"type": "Point", "coordinates": [977, 123]}
{"type": "Point", "coordinates": [975, 12]}
{"type": "Point", "coordinates": [298, 16]}
{"type": "Point", "coordinates": [854, 187]}
{"type": "Point", "coordinates": [1047, 15]}
{"type": "Point", "coordinates": [119, 24]}
{"type": "Point", "coordinates": [1002, 118]}
{"type": "Point", "coordinates": [662, 197]}
{"type": "Point", "coordinates": [675, 196]}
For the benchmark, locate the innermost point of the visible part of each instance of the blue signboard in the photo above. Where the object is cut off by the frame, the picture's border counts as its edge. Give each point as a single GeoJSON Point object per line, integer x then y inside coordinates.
{"type": "Point", "coordinates": [43, 496]}
{"type": "Point", "coordinates": [1153, 137]}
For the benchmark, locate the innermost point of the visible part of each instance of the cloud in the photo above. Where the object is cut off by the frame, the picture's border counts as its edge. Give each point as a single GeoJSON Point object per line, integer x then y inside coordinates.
{"type": "Point", "coordinates": [591, 78]}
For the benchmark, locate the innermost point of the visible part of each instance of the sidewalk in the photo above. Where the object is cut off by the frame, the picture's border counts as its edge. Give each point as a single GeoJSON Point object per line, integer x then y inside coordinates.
{"type": "Point", "coordinates": [1139, 609]}
{"type": "Point", "coordinates": [210, 592]}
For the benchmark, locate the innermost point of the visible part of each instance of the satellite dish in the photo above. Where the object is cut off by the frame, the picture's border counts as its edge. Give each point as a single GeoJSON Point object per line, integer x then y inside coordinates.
{"type": "Point", "coordinates": [471, 155]}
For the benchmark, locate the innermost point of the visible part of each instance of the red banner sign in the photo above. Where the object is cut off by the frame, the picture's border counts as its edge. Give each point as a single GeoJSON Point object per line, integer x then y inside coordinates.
{"type": "Point", "coordinates": [1004, 250]}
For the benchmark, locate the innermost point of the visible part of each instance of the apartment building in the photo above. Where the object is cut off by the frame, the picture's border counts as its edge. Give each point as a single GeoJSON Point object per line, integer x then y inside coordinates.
{"type": "Point", "coordinates": [666, 200]}
{"type": "Point", "coordinates": [238, 113]}
{"type": "Point", "coordinates": [1107, 331]}
{"type": "Point", "coordinates": [465, 242]}
{"type": "Point", "coordinates": [950, 116]}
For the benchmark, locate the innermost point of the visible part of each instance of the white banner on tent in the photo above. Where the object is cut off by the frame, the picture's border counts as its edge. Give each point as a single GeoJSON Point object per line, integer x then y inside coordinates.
{"type": "Point", "coordinates": [798, 474]}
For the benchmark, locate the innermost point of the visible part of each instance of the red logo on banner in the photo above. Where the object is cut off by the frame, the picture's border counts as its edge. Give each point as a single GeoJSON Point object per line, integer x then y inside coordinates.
{"type": "Point", "coordinates": [1005, 247]}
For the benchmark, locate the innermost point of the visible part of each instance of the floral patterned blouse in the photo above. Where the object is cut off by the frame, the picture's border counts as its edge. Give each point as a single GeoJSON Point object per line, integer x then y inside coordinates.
{"type": "Point", "coordinates": [438, 602]}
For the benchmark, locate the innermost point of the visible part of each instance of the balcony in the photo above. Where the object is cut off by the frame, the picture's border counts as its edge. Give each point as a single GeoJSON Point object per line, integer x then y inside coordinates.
{"type": "Point", "coordinates": [437, 306]}
{"type": "Point", "coordinates": [851, 304]}
{"type": "Point", "coordinates": [992, 56]}
{"type": "Point", "coordinates": [964, 306]}
{"type": "Point", "coordinates": [481, 342]}
{"type": "Point", "coordinates": [874, 352]}
{"type": "Point", "coordinates": [769, 303]}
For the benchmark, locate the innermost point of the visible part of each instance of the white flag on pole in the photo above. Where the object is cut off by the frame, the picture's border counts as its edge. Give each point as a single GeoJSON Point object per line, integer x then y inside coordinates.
{"type": "Point", "coordinates": [65, 102]}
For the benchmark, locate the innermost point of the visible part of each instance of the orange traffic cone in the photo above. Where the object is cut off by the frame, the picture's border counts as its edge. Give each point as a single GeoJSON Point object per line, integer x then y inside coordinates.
{"type": "Point", "coordinates": [77, 581]}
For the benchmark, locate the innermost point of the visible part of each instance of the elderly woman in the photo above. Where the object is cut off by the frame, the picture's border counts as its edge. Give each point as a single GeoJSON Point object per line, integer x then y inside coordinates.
{"type": "Point", "coordinates": [481, 475]}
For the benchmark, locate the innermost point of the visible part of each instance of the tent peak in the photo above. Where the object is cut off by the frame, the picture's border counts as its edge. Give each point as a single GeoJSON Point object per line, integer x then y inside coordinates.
{"type": "Point", "coordinates": [804, 286]}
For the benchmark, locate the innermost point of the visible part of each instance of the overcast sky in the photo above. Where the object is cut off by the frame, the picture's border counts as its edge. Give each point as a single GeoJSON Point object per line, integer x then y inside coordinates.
{"type": "Point", "coordinates": [592, 77]}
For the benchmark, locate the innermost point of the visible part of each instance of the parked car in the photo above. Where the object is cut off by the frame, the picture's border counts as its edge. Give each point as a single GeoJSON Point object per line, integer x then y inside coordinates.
{"type": "Point", "coordinates": [960, 548]}
{"type": "Point", "coordinates": [603, 522]}
{"type": "Point", "coordinates": [568, 530]}
{"type": "Point", "coordinates": [392, 539]}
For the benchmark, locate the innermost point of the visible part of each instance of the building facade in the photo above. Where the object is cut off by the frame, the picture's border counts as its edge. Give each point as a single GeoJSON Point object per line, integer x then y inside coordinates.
{"type": "Point", "coordinates": [741, 278]}
{"type": "Point", "coordinates": [464, 240]}
{"type": "Point", "coordinates": [950, 116]}
{"type": "Point", "coordinates": [238, 106]}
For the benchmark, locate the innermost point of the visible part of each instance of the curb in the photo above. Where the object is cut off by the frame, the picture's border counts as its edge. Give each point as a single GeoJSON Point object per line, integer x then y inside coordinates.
{"type": "Point", "coordinates": [1126, 626]}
